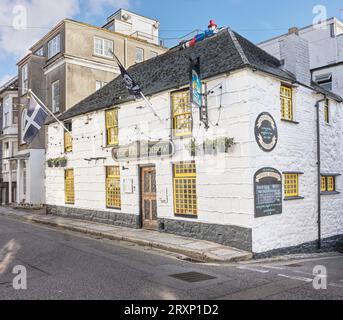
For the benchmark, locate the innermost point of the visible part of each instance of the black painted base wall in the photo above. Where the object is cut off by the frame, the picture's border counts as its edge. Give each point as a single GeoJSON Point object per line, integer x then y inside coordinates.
{"type": "Point", "coordinates": [112, 218]}
{"type": "Point", "coordinates": [233, 236]}
{"type": "Point", "coordinates": [329, 244]}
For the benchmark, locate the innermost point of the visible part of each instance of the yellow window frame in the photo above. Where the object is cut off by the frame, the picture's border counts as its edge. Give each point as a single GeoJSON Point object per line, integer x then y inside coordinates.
{"type": "Point", "coordinates": [185, 189]}
{"type": "Point", "coordinates": [331, 184]}
{"type": "Point", "coordinates": [113, 190]}
{"type": "Point", "coordinates": [69, 191]}
{"type": "Point", "coordinates": [291, 185]}
{"type": "Point", "coordinates": [112, 129]}
{"type": "Point", "coordinates": [181, 113]}
{"type": "Point", "coordinates": [286, 96]}
{"type": "Point", "coordinates": [326, 111]}
{"type": "Point", "coordinates": [323, 185]}
{"type": "Point", "coordinates": [68, 142]}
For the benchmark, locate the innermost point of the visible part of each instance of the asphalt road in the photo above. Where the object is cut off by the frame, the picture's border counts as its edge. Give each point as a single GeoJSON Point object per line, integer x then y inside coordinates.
{"type": "Point", "coordinates": [63, 265]}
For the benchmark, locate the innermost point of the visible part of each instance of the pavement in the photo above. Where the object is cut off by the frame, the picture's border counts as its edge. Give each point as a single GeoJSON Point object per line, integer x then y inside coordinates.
{"type": "Point", "coordinates": [196, 250]}
{"type": "Point", "coordinates": [63, 265]}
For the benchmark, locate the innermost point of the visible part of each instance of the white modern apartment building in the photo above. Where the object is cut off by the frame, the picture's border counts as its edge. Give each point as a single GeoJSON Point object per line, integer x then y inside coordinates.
{"type": "Point", "coordinates": [325, 43]}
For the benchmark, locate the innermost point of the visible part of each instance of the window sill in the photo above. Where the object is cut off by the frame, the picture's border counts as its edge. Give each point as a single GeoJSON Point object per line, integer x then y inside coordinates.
{"type": "Point", "coordinates": [113, 208]}
{"type": "Point", "coordinates": [290, 121]}
{"type": "Point", "coordinates": [293, 198]}
{"type": "Point", "coordinates": [103, 57]}
{"type": "Point", "coordinates": [329, 193]}
{"type": "Point", "coordinates": [188, 216]}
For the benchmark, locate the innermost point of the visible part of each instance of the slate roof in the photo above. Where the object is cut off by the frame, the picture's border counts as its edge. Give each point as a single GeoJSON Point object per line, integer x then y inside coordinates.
{"type": "Point", "coordinates": [226, 51]}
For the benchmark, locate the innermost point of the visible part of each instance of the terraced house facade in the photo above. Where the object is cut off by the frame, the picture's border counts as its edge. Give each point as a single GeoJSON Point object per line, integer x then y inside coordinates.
{"type": "Point", "coordinates": [249, 180]}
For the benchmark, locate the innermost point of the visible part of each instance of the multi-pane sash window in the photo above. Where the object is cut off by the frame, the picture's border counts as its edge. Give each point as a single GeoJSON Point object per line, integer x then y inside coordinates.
{"type": "Point", "coordinates": [291, 185]}
{"type": "Point", "coordinates": [54, 46]}
{"type": "Point", "coordinates": [99, 85]}
{"type": "Point", "coordinates": [103, 47]}
{"type": "Point", "coordinates": [55, 96]}
{"type": "Point", "coordinates": [185, 190]}
{"type": "Point", "coordinates": [24, 79]}
{"type": "Point", "coordinates": [328, 184]}
{"type": "Point", "coordinates": [182, 113]}
{"type": "Point", "coordinates": [69, 187]}
{"type": "Point", "coordinates": [139, 55]}
{"type": "Point", "coordinates": [113, 197]}
{"type": "Point", "coordinates": [326, 111]}
{"type": "Point", "coordinates": [68, 139]}
{"type": "Point", "coordinates": [112, 127]}
{"type": "Point", "coordinates": [286, 97]}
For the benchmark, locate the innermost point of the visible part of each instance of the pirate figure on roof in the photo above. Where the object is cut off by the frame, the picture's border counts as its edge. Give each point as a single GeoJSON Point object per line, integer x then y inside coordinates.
{"type": "Point", "coordinates": [212, 30]}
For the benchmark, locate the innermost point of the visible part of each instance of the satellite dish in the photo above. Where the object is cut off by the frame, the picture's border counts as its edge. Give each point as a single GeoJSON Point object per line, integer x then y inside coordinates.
{"type": "Point", "coordinates": [157, 25]}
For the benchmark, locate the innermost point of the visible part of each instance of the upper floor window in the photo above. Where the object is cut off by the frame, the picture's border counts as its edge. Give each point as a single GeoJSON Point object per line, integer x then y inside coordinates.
{"type": "Point", "coordinates": [6, 119]}
{"type": "Point", "coordinates": [112, 127]}
{"type": "Point", "coordinates": [68, 139]}
{"type": "Point", "coordinates": [40, 52]}
{"type": "Point", "coordinates": [325, 81]}
{"type": "Point", "coordinates": [328, 184]}
{"type": "Point", "coordinates": [139, 55]}
{"type": "Point", "coordinates": [54, 46]}
{"type": "Point", "coordinates": [326, 111]}
{"type": "Point", "coordinates": [23, 125]}
{"type": "Point", "coordinates": [153, 54]}
{"type": "Point", "coordinates": [55, 96]}
{"type": "Point", "coordinates": [99, 85]}
{"type": "Point", "coordinates": [286, 96]}
{"type": "Point", "coordinates": [24, 79]}
{"type": "Point", "coordinates": [103, 47]}
{"type": "Point", "coordinates": [181, 113]}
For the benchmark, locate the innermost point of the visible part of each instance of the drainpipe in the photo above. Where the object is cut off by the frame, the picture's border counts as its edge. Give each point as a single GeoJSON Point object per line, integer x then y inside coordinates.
{"type": "Point", "coordinates": [319, 190]}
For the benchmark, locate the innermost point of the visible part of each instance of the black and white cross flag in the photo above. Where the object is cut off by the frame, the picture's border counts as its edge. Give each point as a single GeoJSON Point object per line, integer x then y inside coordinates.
{"type": "Point", "coordinates": [130, 84]}
{"type": "Point", "coordinates": [34, 121]}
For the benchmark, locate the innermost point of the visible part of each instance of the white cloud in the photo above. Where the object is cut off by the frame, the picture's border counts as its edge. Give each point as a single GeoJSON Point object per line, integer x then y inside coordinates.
{"type": "Point", "coordinates": [42, 15]}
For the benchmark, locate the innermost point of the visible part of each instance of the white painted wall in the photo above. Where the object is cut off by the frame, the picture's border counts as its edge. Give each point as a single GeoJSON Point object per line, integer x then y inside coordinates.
{"type": "Point", "coordinates": [296, 151]}
{"type": "Point", "coordinates": [224, 183]}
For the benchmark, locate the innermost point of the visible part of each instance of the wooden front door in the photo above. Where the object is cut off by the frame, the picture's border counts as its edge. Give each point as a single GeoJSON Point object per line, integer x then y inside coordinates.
{"type": "Point", "coordinates": [149, 200]}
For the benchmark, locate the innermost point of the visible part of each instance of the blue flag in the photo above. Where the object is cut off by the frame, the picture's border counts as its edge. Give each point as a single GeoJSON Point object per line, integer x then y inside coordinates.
{"type": "Point", "coordinates": [35, 119]}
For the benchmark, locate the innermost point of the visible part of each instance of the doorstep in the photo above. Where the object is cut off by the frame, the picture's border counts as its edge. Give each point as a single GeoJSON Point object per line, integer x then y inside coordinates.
{"type": "Point", "coordinates": [198, 250]}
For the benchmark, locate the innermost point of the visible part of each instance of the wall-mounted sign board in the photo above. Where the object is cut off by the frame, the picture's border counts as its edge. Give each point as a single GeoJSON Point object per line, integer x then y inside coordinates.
{"type": "Point", "coordinates": [268, 192]}
{"type": "Point", "coordinates": [143, 150]}
{"type": "Point", "coordinates": [266, 132]}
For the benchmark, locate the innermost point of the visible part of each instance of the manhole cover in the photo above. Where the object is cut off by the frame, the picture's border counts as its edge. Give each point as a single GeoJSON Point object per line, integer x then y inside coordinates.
{"type": "Point", "coordinates": [192, 277]}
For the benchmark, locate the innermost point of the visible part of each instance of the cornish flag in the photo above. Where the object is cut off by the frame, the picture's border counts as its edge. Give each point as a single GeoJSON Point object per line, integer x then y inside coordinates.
{"type": "Point", "coordinates": [35, 119]}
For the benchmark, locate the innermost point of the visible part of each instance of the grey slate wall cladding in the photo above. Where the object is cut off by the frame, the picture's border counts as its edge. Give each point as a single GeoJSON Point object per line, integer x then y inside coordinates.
{"type": "Point", "coordinates": [328, 244]}
{"type": "Point", "coordinates": [112, 218]}
{"type": "Point", "coordinates": [234, 236]}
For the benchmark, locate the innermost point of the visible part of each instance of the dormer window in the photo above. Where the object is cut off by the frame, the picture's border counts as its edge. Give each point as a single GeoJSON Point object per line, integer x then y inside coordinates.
{"type": "Point", "coordinates": [54, 46]}
{"type": "Point", "coordinates": [325, 81]}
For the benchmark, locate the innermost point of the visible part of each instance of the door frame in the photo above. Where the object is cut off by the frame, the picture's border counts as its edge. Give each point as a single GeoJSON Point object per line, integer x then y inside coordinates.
{"type": "Point", "coordinates": [140, 167]}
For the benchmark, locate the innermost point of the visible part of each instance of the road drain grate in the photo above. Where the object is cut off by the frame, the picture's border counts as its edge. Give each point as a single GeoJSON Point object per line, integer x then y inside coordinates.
{"type": "Point", "coordinates": [192, 277]}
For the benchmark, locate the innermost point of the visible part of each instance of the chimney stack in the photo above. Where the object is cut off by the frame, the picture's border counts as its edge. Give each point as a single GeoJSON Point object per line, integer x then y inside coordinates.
{"type": "Point", "coordinates": [296, 56]}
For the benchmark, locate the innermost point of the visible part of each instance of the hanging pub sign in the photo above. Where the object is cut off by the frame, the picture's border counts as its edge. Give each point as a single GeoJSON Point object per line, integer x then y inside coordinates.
{"type": "Point", "coordinates": [196, 87]}
{"type": "Point", "coordinates": [198, 98]}
{"type": "Point", "coordinates": [268, 192]}
{"type": "Point", "coordinates": [266, 132]}
{"type": "Point", "coordinates": [143, 149]}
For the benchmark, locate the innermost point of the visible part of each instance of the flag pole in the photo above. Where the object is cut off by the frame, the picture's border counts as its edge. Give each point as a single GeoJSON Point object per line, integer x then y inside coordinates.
{"type": "Point", "coordinates": [49, 112]}
{"type": "Point", "coordinates": [141, 93]}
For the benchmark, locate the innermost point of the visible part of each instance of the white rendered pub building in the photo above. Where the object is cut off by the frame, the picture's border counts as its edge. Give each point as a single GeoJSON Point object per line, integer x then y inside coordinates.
{"type": "Point", "coordinates": [241, 172]}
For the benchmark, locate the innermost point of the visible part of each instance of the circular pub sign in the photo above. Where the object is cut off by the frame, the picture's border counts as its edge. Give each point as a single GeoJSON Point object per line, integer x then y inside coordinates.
{"type": "Point", "coordinates": [266, 132]}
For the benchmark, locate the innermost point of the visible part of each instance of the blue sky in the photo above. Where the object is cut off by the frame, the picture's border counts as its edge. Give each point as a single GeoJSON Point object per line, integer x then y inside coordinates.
{"type": "Point", "coordinates": [256, 20]}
